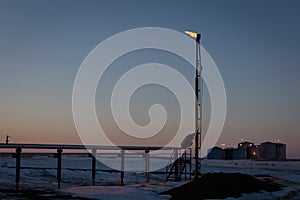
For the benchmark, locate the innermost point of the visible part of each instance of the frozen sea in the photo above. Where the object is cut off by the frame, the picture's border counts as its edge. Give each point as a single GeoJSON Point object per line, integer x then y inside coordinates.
{"type": "Point", "coordinates": [38, 173]}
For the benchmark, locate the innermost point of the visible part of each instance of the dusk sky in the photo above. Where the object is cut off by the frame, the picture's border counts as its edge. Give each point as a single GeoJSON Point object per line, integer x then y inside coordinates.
{"type": "Point", "coordinates": [255, 45]}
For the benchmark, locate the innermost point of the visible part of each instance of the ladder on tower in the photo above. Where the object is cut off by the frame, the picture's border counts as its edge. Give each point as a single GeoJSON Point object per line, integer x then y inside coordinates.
{"type": "Point", "coordinates": [179, 165]}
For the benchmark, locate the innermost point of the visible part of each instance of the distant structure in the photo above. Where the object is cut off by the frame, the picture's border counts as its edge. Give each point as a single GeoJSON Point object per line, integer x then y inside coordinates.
{"type": "Point", "coordinates": [7, 139]}
{"type": "Point", "coordinates": [229, 152]}
{"type": "Point", "coordinates": [273, 151]}
{"type": "Point", "coordinates": [248, 150]}
{"type": "Point", "coordinates": [216, 153]}
{"type": "Point", "coordinates": [243, 150]}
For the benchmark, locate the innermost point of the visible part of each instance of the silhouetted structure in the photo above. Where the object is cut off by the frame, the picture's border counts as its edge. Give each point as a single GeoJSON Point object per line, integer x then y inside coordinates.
{"type": "Point", "coordinates": [7, 139]}
{"type": "Point", "coordinates": [180, 164]}
{"type": "Point", "coordinates": [229, 153]}
{"type": "Point", "coordinates": [248, 150]}
{"type": "Point", "coordinates": [280, 151]}
{"type": "Point", "coordinates": [215, 153]}
{"type": "Point", "coordinates": [272, 151]}
{"type": "Point", "coordinates": [243, 150]}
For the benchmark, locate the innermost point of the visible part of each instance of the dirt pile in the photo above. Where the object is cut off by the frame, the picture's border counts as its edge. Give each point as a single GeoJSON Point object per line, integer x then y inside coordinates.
{"type": "Point", "coordinates": [219, 186]}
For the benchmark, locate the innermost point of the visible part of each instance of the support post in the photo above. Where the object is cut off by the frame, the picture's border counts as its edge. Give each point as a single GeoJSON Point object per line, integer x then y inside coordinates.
{"type": "Point", "coordinates": [18, 166]}
{"type": "Point", "coordinates": [147, 166]}
{"type": "Point", "coordinates": [59, 152]}
{"type": "Point", "coordinates": [185, 164]}
{"type": "Point", "coordinates": [122, 166]}
{"type": "Point", "coordinates": [176, 165]}
{"type": "Point", "coordinates": [94, 151]}
{"type": "Point", "coordinates": [190, 163]}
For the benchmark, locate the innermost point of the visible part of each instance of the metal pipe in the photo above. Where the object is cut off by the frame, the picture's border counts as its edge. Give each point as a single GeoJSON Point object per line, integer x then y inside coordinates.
{"type": "Point", "coordinates": [83, 147]}
{"type": "Point", "coordinates": [59, 152]}
{"type": "Point", "coordinates": [122, 166]}
{"type": "Point", "coordinates": [18, 166]}
{"type": "Point", "coordinates": [147, 165]}
{"type": "Point", "coordinates": [94, 151]}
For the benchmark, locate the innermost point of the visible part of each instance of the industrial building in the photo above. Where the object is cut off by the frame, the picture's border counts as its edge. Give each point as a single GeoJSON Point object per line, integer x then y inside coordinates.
{"type": "Point", "coordinates": [243, 150]}
{"type": "Point", "coordinates": [272, 151]}
{"type": "Point", "coordinates": [248, 150]}
{"type": "Point", "coordinates": [215, 153]}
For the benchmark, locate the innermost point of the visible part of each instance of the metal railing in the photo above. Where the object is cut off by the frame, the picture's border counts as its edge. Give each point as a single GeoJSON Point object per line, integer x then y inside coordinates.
{"type": "Point", "coordinates": [92, 148]}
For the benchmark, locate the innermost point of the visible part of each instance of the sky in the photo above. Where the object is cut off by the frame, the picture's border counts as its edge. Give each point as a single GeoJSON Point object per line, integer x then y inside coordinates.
{"type": "Point", "coordinates": [255, 45]}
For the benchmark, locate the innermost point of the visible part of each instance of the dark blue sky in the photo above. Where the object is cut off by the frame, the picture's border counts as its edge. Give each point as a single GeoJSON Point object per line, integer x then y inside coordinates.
{"type": "Point", "coordinates": [255, 44]}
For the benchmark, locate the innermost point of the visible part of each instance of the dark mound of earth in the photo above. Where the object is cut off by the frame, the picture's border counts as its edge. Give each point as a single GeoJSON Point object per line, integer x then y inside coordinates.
{"type": "Point", "coordinates": [220, 186]}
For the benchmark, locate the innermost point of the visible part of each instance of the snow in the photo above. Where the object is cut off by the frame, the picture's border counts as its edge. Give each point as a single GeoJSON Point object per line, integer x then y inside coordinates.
{"type": "Point", "coordinates": [291, 193]}
{"type": "Point", "coordinates": [146, 191]}
{"type": "Point", "coordinates": [40, 173]}
{"type": "Point", "coordinates": [286, 170]}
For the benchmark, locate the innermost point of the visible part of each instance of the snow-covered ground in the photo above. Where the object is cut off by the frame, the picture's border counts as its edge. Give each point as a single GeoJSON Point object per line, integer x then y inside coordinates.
{"type": "Point", "coordinates": [284, 172]}
{"type": "Point", "coordinates": [39, 172]}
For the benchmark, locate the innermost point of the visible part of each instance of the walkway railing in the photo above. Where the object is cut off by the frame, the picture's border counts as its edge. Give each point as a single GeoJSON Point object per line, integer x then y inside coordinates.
{"type": "Point", "coordinates": [93, 149]}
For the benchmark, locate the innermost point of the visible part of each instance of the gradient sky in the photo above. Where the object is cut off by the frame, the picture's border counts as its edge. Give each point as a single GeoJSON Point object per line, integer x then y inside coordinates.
{"type": "Point", "coordinates": [255, 44]}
